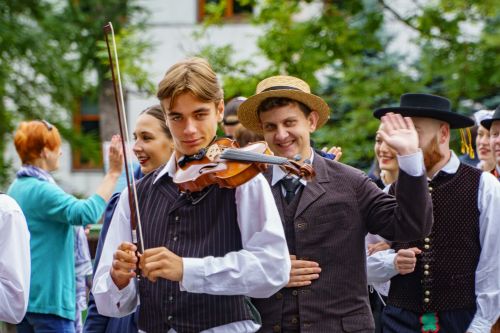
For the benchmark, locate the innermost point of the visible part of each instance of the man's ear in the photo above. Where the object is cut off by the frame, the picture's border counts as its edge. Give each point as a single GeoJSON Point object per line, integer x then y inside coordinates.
{"type": "Point", "coordinates": [220, 110]}
{"type": "Point", "coordinates": [444, 133]}
{"type": "Point", "coordinates": [313, 121]}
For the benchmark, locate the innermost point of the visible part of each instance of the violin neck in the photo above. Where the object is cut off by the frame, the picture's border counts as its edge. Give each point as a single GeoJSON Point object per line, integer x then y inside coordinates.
{"type": "Point", "coordinates": [251, 157]}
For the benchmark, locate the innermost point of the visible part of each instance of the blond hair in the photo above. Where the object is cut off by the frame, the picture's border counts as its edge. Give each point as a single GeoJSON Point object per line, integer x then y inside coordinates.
{"type": "Point", "coordinates": [193, 75]}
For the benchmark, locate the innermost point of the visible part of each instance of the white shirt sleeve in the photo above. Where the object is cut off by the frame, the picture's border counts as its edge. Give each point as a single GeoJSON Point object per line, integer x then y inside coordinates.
{"type": "Point", "coordinates": [262, 267]}
{"type": "Point", "coordinates": [488, 268]}
{"type": "Point", "coordinates": [412, 164]}
{"type": "Point", "coordinates": [111, 301]}
{"type": "Point", "coordinates": [380, 266]}
{"type": "Point", "coordinates": [15, 261]}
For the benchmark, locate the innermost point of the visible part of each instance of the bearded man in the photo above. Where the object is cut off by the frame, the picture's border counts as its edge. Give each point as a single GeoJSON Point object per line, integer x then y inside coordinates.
{"type": "Point", "coordinates": [448, 281]}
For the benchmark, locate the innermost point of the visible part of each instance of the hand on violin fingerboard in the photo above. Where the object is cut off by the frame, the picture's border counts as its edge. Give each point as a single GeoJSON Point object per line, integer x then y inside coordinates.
{"type": "Point", "coordinates": [124, 264]}
{"type": "Point", "coordinates": [160, 262]}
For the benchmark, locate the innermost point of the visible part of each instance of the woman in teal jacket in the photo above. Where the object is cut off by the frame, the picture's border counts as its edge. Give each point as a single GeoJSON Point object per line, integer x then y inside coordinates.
{"type": "Point", "coordinates": [51, 214]}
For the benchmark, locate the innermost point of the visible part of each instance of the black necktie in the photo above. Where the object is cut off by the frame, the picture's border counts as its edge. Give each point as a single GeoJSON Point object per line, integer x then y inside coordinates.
{"type": "Point", "coordinates": [290, 185]}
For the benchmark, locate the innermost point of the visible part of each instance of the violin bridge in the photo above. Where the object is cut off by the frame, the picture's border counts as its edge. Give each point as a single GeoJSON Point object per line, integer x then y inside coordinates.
{"type": "Point", "coordinates": [213, 152]}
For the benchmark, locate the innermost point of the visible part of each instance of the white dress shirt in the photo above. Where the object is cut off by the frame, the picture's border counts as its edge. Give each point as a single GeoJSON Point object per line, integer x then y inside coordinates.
{"type": "Point", "coordinates": [382, 266]}
{"type": "Point", "coordinates": [15, 261]}
{"type": "Point", "coordinates": [259, 270]}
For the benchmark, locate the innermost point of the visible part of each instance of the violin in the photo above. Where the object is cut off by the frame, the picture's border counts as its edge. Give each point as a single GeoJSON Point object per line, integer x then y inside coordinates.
{"type": "Point", "coordinates": [225, 164]}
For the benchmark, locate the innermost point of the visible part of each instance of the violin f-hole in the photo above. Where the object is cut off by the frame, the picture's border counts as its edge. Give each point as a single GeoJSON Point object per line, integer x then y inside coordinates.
{"type": "Point", "coordinates": [207, 168]}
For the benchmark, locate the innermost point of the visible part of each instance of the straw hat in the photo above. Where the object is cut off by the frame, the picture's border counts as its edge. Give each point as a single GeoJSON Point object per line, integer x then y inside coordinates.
{"type": "Point", "coordinates": [281, 86]}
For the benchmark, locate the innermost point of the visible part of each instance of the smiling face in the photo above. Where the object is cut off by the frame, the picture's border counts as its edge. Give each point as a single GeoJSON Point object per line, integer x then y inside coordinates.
{"type": "Point", "coordinates": [152, 146]}
{"type": "Point", "coordinates": [483, 144]}
{"type": "Point", "coordinates": [287, 130]}
{"type": "Point", "coordinates": [193, 122]}
{"type": "Point", "coordinates": [495, 140]}
{"type": "Point", "coordinates": [386, 156]}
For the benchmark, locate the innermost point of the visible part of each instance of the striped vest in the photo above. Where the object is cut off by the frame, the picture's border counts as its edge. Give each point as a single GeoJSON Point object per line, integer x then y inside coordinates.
{"type": "Point", "coordinates": [204, 225]}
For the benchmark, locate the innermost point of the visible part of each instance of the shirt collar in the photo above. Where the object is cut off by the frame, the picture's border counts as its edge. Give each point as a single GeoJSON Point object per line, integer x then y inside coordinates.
{"type": "Point", "coordinates": [451, 166]}
{"type": "Point", "coordinates": [279, 173]}
{"type": "Point", "coordinates": [169, 168]}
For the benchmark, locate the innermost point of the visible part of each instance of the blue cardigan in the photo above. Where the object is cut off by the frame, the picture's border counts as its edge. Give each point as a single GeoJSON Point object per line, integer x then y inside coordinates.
{"type": "Point", "coordinates": [51, 214]}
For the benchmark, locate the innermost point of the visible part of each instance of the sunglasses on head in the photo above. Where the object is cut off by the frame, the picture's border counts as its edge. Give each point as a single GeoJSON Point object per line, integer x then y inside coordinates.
{"type": "Point", "coordinates": [47, 124]}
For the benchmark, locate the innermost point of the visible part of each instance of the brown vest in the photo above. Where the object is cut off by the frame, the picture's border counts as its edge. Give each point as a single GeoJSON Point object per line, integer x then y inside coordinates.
{"type": "Point", "coordinates": [444, 277]}
{"type": "Point", "coordinates": [286, 299]}
{"type": "Point", "coordinates": [207, 228]}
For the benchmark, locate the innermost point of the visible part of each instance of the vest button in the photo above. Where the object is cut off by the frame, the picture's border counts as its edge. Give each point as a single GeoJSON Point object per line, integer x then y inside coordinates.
{"type": "Point", "coordinates": [431, 188]}
{"type": "Point", "coordinates": [177, 218]}
{"type": "Point", "coordinates": [295, 292]}
{"type": "Point", "coordinates": [295, 320]}
{"type": "Point", "coordinates": [276, 328]}
{"type": "Point", "coordinates": [171, 298]}
{"type": "Point", "coordinates": [169, 318]}
{"type": "Point", "coordinates": [427, 246]}
{"type": "Point", "coordinates": [426, 273]}
{"type": "Point", "coordinates": [426, 266]}
{"type": "Point", "coordinates": [427, 293]}
{"type": "Point", "coordinates": [279, 296]}
{"type": "Point", "coordinates": [175, 238]}
{"type": "Point", "coordinates": [427, 239]}
{"type": "Point", "coordinates": [426, 300]}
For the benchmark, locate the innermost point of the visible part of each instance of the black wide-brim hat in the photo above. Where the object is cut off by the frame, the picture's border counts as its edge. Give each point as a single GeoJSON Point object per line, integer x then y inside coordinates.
{"type": "Point", "coordinates": [427, 106]}
{"type": "Point", "coordinates": [496, 116]}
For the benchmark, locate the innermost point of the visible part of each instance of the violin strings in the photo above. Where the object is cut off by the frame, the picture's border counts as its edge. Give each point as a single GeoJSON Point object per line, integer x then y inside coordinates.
{"type": "Point", "coordinates": [247, 156]}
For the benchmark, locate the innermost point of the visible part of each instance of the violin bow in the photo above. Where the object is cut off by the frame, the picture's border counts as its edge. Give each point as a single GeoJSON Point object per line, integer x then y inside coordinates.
{"type": "Point", "coordinates": [135, 217]}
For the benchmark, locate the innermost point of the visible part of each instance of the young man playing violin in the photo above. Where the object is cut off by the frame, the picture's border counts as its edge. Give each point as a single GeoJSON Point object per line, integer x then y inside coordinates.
{"type": "Point", "coordinates": [326, 219]}
{"type": "Point", "coordinates": [204, 252]}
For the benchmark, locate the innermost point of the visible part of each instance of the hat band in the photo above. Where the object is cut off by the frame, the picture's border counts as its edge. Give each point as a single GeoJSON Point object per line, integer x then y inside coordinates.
{"type": "Point", "coordinates": [230, 122]}
{"type": "Point", "coordinates": [281, 88]}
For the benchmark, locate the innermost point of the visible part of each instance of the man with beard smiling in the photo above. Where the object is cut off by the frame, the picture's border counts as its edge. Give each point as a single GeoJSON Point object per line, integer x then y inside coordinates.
{"type": "Point", "coordinates": [326, 219]}
{"type": "Point", "coordinates": [448, 281]}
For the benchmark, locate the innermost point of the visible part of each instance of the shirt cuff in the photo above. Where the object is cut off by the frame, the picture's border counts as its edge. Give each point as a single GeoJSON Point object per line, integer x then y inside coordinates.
{"type": "Point", "coordinates": [389, 263]}
{"type": "Point", "coordinates": [193, 275]}
{"type": "Point", "coordinates": [412, 164]}
{"type": "Point", "coordinates": [119, 296]}
{"type": "Point", "coordinates": [479, 325]}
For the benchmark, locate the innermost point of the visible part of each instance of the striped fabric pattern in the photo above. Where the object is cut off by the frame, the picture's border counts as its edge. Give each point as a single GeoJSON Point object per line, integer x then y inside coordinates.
{"type": "Point", "coordinates": [207, 228]}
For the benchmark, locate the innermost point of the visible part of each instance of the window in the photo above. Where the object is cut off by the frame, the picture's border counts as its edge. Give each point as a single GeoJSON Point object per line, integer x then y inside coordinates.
{"type": "Point", "coordinates": [86, 121]}
{"type": "Point", "coordinates": [234, 11]}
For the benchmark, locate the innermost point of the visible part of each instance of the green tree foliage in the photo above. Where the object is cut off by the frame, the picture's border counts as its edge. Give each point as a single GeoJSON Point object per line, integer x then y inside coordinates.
{"type": "Point", "coordinates": [51, 56]}
{"type": "Point", "coordinates": [342, 52]}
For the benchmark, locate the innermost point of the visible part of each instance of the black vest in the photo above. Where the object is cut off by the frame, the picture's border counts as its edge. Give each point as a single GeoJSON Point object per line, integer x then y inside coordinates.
{"type": "Point", "coordinates": [207, 228]}
{"type": "Point", "coordinates": [444, 276]}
